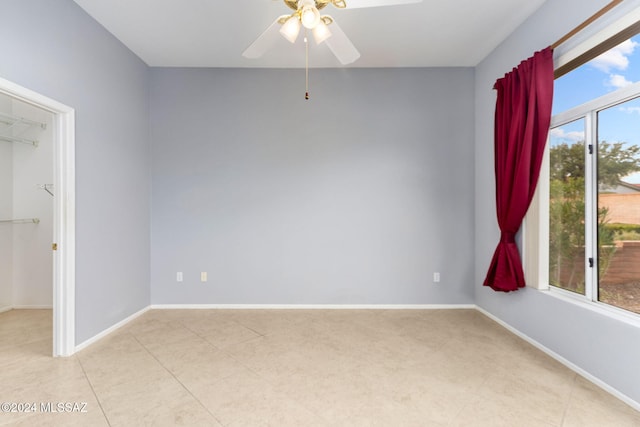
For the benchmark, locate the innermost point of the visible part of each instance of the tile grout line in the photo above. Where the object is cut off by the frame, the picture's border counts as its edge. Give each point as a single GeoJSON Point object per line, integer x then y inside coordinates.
{"type": "Point", "coordinates": [248, 368]}
{"type": "Point", "coordinates": [569, 398]}
{"type": "Point", "coordinates": [179, 382]}
{"type": "Point", "coordinates": [455, 417]}
{"type": "Point", "coordinates": [218, 349]}
{"type": "Point", "coordinates": [224, 351]}
{"type": "Point", "coordinates": [93, 391]}
{"type": "Point", "coordinates": [251, 329]}
{"type": "Point", "coordinates": [221, 348]}
{"type": "Point", "coordinates": [229, 354]}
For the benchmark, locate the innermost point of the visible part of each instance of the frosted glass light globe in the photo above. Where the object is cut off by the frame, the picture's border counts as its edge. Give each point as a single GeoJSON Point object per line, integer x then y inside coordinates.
{"type": "Point", "coordinates": [310, 16]}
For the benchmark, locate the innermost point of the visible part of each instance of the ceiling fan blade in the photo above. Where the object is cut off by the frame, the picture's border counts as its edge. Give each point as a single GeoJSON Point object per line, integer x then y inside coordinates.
{"type": "Point", "coordinates": [354, 4]}
{"type": "Point", "coordinates": [264, 42]}
{"type": "Point", "coordinates": [341, 46]}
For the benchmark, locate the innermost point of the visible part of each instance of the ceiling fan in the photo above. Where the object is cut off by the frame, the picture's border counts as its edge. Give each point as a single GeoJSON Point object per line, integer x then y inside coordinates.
{"type": "Point", "coordinates": [324, 28]}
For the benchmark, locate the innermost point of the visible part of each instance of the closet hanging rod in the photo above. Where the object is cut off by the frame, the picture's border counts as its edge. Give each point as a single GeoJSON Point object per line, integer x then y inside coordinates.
{"type": "Point", "coordinates": [19, 140]}
{"type": "Point", "coordinates": [22, 220]}
{"type": "Point", "coordinates": [10, 120]}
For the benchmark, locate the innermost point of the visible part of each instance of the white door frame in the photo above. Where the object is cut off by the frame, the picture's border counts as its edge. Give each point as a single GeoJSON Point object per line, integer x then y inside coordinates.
{"type": "Point", "coordinates": [64, 222]}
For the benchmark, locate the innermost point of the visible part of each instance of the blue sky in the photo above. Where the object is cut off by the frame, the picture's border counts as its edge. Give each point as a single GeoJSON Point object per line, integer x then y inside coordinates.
{"type": "Point", "coordinates": [610, 71]}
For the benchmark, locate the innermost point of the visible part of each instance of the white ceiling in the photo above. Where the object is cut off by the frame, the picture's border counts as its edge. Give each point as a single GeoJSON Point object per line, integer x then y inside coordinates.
{"type": "Point", "coordinates": [214, 33]}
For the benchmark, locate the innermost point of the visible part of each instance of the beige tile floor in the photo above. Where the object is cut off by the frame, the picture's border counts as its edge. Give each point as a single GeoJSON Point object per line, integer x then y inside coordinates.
{"type": "Point", "coordinates": [298, 368]}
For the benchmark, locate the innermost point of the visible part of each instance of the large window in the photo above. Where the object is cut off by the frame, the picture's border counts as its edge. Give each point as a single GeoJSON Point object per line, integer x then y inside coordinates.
{"type": "Point", "coordinates": [594, 180]}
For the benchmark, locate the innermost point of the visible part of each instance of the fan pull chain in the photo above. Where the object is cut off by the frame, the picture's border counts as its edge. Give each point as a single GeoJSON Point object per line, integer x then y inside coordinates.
{"type": "Point", "coordinates": [306, 67]}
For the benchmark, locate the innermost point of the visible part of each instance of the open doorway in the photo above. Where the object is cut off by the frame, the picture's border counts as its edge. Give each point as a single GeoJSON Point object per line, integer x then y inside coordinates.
{"type": "Point", "coordinates": [61, 193]}
{"type": "Point", "coordinates": [26, 206]}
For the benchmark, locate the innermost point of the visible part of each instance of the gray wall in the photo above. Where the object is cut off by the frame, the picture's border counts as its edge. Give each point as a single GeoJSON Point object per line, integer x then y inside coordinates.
{"type": "Point", "coordinates": [354, 197]}
{"type": "Point", "coordinates": [54, 48]}
{"type": "Point", "coordinates": [606, 348]}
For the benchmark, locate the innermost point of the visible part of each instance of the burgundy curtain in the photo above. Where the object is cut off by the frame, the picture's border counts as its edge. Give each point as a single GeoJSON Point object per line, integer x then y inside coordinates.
{"type": "Point", "coordinates": [522, 118]}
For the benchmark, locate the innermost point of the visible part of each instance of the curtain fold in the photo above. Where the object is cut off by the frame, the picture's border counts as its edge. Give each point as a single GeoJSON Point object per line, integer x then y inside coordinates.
{"type": "Point", "coordinates": [522, 118]}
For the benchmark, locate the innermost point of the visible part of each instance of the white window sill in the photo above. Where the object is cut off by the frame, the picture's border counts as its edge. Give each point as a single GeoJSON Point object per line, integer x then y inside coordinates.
{"type": "Point", "coordinates": [615, 313]}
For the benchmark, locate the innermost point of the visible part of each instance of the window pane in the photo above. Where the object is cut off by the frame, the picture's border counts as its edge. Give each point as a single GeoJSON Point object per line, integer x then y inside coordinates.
{"type": "Point", "coordinates": [610, 71]}
{"type": "Point", "coordinates": [619, 205]}
{"type": "Point", "coordinates": [566, 206]}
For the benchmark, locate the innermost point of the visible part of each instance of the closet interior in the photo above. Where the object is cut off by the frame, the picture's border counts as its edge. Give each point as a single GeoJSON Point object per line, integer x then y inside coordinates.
{"type": "Point", "coordinates": [26, 205]}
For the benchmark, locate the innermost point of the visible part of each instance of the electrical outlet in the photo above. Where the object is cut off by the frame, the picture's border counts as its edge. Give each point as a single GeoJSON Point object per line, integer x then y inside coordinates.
{"type": "Point", "coordinates": [179, 277]}
{"type": "Point", "coordinates": [203, 276]}
{"type": "Point", "coordinates": [436, 277]}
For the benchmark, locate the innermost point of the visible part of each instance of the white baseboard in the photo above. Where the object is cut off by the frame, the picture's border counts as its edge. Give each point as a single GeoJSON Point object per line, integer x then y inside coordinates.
{"type": "Point", "coordinates": [312, 306]}
{"type": "Point", "coordinates": [3, 309]}
{"type": "Point", "coordinates": [606, 387]}
{"type": "Point", "coordinates": [32, 307]}
{"type": "Point", "coordinates": [111, 329]}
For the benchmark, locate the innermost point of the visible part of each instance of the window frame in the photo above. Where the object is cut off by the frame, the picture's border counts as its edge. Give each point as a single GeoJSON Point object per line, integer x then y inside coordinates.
{"type": "Point", "coordinates": [535, 228]}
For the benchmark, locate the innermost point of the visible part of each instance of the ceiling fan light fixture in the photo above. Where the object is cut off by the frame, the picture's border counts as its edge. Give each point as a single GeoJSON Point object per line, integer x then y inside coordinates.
{"type": "Point", "coordinates": [291, 28]}
{"type": "Point", "coordinates": [309, 15]}
{"type": "Point", "coordinates": [321, 32]}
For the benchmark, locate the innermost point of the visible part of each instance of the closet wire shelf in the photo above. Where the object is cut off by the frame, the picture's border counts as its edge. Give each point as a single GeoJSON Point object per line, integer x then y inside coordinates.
{"type": "Point", "coordinates": [19, 140]}
{"type": "Point", "coordinates": [21, 221]}
{"type": "Point", "coordinates": [12, 124]}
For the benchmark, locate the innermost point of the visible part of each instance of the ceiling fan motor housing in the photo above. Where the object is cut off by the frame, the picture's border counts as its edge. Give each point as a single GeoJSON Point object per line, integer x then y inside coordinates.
{"type": "Point", "coordinates": [296, 4]}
